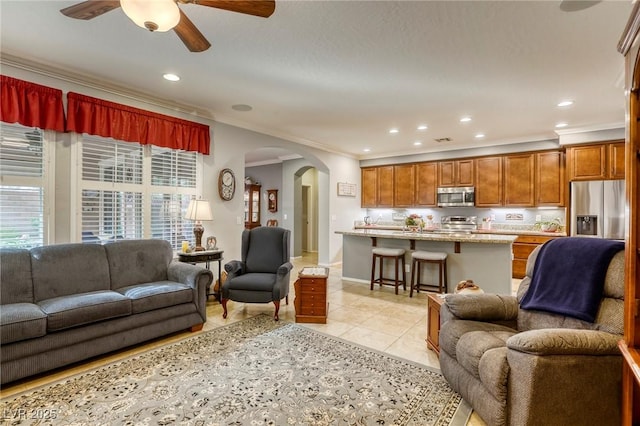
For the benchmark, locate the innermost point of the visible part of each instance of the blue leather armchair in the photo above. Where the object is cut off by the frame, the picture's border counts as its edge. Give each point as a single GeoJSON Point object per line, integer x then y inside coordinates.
{"type": "Point", "coordinates": [262, 276]}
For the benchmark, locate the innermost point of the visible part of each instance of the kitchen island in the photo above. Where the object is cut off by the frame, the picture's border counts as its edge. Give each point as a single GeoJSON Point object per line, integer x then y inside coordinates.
{"type": "Point", "coordinates": [483, 258]}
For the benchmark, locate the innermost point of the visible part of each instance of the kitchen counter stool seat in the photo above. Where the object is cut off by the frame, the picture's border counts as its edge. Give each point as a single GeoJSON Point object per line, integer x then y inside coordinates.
{"type": "Point", "coordinates": [398, 257]}
{"type": "Point", "coordinates": [417, 259]}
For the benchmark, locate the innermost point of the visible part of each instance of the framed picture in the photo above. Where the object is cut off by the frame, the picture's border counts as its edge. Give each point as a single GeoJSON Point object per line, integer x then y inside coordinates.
{"type": "Point", "coordinates": [212, 243]}
{"type": "Point", "coordinates": [346, 189]}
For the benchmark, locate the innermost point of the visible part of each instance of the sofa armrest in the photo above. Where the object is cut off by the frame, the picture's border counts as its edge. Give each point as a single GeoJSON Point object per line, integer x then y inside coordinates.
{"type": "Point", "coordinates": [234, 268]}
{"type": "Point", "coordinates": [284, 269]}
{"type": "Point", "coordinates": [565, 341]}
{"type": "Point", "coordinates": [482, 307]}
{"type": "Point", "coordinates": [197, 278]}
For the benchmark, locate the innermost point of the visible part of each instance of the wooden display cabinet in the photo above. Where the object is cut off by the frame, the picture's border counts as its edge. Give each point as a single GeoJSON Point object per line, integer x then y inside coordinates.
{"type": "Point", "coordinates": [426, 185]}
{"type": "Point", "coordinates": [598, 161]}
{"type": "Point", "coordinates": [456, 172]}
{"type": "Point", "coordinates": [251, 206]}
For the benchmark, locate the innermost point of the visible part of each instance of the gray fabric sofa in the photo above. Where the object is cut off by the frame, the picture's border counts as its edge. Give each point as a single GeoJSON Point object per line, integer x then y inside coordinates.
{"type": "Point", "coordinates": [528, 367]}
{"type": "Point", "coordinates": [65, 303]}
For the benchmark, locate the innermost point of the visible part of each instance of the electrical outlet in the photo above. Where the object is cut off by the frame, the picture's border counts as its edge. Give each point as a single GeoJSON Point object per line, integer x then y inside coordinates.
{"type": "Point", "coordinates": [407, 268]}
{"type": "Point", "coordinates": [238, 220]}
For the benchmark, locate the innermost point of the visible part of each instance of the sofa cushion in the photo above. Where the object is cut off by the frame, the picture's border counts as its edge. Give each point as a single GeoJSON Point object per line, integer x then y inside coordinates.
{"type": "Point", "coordinates": [252, 282]}
{"type": "Point", "coordinates": [473, 346]}
{"type": "Point", "coordinates": [15, 270]}
{"type": "Point", "coordinates": [21, 321]}
{"type": "Point", "coordinates": [138, 261]}
{"type": "Point", "coordinates": [68, 269]}
{"type": "Point", "coordinates": [84, 308]}
{"type": "Point", "coordinates": [452, 331]}
{"type": "Point", "coordinates": [156, 295]}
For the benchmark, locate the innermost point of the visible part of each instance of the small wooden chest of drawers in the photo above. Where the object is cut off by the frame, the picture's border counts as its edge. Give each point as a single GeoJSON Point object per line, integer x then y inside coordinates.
{"type": "Point", "coordinates": [311, 295]}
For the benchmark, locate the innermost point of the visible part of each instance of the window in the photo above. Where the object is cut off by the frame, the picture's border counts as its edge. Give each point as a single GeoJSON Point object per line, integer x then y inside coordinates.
{"type": "Point", "coordinates": [173, 180]}
{"type": "Point", "coordinates": [23, 188]}
{"type": "Point", "coordinates": [131, 191]}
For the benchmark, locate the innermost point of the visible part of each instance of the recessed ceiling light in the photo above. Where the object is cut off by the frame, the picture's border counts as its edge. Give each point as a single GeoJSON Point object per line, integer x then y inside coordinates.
{"type": "Point", "coordinates": [367, 149]}
{"type": "Point", "coordinates": [417, 143]}
{"type": "Point", "coordinates": [565, 103]}
{"type": "Point", "coordinates": [171, 77]}
{"type": "Point", "coordinates": [422, 127]}
{"type": "Point", "coordinates": [393, 131]}
{"type": "Point", "coordinates": [465, 119]}
{"type": "Point", "coordinates": [559, 125]}
{"type": "Point", "coordinates": [241, 107]}
{"type": "Point", "coordinates": [480, 135]}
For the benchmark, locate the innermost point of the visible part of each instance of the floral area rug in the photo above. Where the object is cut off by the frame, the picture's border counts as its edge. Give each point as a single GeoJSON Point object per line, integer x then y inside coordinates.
{"type": "Point", "coordinates": [254, 372]}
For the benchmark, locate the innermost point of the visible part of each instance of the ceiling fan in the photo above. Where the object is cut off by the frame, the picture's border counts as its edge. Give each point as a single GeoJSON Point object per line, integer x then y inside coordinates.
{"type": "Point", "coordinates": [163, 15]}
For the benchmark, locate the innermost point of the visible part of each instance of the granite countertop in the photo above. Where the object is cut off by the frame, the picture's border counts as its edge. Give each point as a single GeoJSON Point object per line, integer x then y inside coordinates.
{"type": "Point", "coordinates": [495, 231]}
{"type": "Point", "coordinates": [431, 236]}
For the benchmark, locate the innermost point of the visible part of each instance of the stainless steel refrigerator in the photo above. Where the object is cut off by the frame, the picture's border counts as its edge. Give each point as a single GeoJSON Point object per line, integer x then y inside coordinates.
{"type": "Point", "coordinates": [597, 209]}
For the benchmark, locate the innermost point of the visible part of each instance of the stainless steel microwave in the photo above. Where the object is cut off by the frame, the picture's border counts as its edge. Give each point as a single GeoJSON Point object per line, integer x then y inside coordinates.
{"type": "Point", "coordinates": [461, 196]}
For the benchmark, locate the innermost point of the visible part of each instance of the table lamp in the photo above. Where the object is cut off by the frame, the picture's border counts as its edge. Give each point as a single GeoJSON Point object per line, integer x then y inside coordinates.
{"type": "Point", "coordinates": [198, 210]}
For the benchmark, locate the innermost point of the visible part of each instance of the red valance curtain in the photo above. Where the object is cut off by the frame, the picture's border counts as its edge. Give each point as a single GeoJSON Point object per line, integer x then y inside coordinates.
{"type": "Point", "coordinates": [31, 104]}
{"type": "Point", "coordinates": [103, 118]}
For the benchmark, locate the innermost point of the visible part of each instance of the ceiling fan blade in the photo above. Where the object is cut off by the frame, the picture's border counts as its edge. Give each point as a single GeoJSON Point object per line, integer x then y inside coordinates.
{"type": "Point", "coordinates": [190, 35]}
{"type": "Point", "coordinates": [90, 9]}
{"type": "Point", "coordinates": [262, 8]}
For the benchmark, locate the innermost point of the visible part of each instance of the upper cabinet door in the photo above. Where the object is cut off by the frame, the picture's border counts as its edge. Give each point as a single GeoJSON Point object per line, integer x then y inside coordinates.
{"type": "Point", "coordinates": [456, 173]}
{"type": "Point", "coordinates": [616, 160]}
{"type": "Point", "coordinates": [550, 179]}
{"type": "Point", "coordinates": [465, 172]}
{"type": "Point", "coordinates": [587, 162]}
{"type": "Point", "coordinates": [489, 181]}
{"type": "Point", "coordinates": [385, 186]}
{"type": "Point", "coordinates": [426, 184]}
{"type": "Point", "coordinates": [369, 187]}
{"type": "Point", "coordinates": [404, 176]}
{"type": "Point", "coordinates": [519, 171]}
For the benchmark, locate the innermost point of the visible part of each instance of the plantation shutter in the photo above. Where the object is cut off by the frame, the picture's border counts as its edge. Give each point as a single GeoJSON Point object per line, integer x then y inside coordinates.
{"type": "Point", "coordinates": [173, 181]}
{"type": "Point", "coordinates": [112, 190]}
{"type": "Point", "coordinates": [22, 178]}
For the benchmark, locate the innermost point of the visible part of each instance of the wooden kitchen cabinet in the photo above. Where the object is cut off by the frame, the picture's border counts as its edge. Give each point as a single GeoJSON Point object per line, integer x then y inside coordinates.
{"type": "Point", "coordinates": [404, 183]}
{"type": "Point", "coordinates": [599, 161]}
{"type": "Point", "coordinates": [519, 175]}
{"type": "Point", "coordinates": [385, 186]}
{"type": "Point", "coordinates": [369, 187]}
{"type": "Point", "coordinates": [456, 172]}
{"type": "Point", "coordinates": [616, 160]}
{"type": "Point", "coordinates": [550, 181]}
{"type": "Point", "coordinates": [489, 180]}
{"type": "Point", "coordinates": [522, 248]}
{"type": "Point", "coordinates": [426, 184]}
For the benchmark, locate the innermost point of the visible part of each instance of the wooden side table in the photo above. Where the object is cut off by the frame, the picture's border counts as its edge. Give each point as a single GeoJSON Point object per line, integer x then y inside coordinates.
{"type": "Point", "coordinates": [311, 295]}
{"type": "Point", "coordinates": [434, 302]}
{"type": "Point", "coordinates": [206, 257]}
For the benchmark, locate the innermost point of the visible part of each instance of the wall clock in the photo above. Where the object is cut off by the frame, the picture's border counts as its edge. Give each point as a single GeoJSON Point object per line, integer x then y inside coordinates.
{"type": "Point", "coordinates": [226, 184]}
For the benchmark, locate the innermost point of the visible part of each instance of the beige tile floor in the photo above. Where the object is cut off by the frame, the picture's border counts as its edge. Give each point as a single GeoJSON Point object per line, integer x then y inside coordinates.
{"type": "Point", "coordinates": [379, 319]}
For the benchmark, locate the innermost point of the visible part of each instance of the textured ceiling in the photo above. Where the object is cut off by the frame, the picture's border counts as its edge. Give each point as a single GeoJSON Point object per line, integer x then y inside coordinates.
{"type": "Point", "coordinates": [339, 74]}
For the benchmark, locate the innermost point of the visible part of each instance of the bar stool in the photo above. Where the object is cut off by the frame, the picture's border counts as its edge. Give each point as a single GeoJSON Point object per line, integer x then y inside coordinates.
{"type": "Point", "coordinates": [420, 257]}
{"type": "Point", "coordinates": [388, 253]}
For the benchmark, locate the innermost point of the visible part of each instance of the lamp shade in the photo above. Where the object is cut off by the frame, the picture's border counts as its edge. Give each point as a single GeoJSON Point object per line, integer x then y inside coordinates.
{"type": "Point", "coordinates": [199, 210]}
{"type": "Point", "coordinates": [154, 15]}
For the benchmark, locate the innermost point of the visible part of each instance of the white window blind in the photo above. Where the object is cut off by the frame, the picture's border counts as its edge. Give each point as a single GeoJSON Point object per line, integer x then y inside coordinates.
{"type": "Point", "coordinates": [112, 190]}
{"type": "Point", "coordinates": [133, 191]}
{"type": "Point", "coordinates": [173, 178]}
{"type": "Point", "coordinates": [22, 186]}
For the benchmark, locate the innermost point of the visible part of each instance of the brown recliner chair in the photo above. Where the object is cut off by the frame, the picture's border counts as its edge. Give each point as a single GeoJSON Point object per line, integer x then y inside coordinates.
{"type": "Point", "coordinates": [519, 366]}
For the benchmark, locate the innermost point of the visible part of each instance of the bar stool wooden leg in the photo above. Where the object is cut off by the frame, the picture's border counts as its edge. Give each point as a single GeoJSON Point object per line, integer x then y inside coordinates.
{"type": "Point", "coordinates": [373, 269]}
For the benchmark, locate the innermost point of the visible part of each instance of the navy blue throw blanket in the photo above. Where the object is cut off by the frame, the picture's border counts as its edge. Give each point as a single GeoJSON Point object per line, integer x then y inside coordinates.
{"type": "Point", "coordinates": [568, 277]}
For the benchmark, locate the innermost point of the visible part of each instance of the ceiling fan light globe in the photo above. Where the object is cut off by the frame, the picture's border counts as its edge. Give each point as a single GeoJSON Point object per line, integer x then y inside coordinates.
{"type": "Point", "coordinates": [154, 15]}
